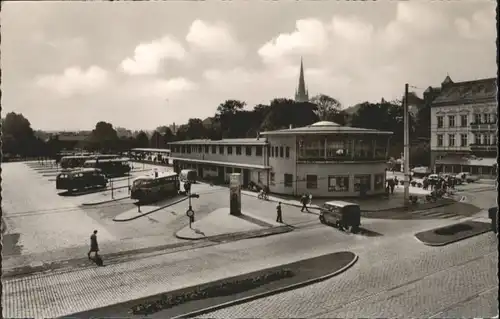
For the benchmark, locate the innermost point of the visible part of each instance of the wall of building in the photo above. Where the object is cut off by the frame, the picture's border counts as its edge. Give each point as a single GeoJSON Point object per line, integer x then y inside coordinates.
{"type": "Point", "coordinates": [233, 158]}
{"type": "Point", "coordinates": [470, 110]}
{"type": "Point", "coordinates": [282, 165]}
{"type": "Point", "coordinates": [323, 171]}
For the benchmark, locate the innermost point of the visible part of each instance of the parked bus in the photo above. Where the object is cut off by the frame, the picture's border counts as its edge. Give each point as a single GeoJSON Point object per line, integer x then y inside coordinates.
{"type": "Point", "coordinates": [81, 179]}
{"type": "Point", "coordinates": [155, 187]}
{"type": "Point", "coordinates": [79, 160]}
{"type": "Point", "coordinates": [110, 167]}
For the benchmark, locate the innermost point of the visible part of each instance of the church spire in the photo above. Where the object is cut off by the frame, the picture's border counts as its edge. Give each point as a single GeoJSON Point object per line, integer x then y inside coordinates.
{"type": "Point", "coordinates": [301, 94]}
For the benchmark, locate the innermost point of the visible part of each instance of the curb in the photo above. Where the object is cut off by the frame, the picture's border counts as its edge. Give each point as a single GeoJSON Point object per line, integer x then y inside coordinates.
{"type": "Point", "coordinates": [150, 212]}
{"type": "Point", "coordinates": [106, 201]}
{"type": "Point", "coordinates": [267, 293]}
{"type": "Point", "coordinates": [451, 241]}
{"type": "Point", "coordinates": [236, 236]}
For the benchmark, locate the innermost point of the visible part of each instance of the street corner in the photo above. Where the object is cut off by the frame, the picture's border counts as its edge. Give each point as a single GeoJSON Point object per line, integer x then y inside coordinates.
{"type": "Point", "coordinates": [144, 210]}
{"type": "Point", "coordinates": [443, 236]}
{"type": "Point", "coordinates": [220, 222]}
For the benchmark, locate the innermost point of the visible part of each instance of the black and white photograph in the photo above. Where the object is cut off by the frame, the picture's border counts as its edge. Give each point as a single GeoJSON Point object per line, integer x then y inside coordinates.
{"type": "Point", "coordinates": [249, 159]}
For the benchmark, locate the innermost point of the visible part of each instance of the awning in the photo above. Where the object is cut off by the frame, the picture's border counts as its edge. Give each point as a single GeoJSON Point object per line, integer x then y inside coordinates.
{"type": "Point", "coordinates": [228, 164]}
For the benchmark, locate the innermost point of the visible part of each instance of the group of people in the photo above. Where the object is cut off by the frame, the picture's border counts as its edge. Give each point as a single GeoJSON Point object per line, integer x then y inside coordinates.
{"type": "Point", "coordinates": [441, 183]}
{"type": "Point", "coordinates": [305, 200]}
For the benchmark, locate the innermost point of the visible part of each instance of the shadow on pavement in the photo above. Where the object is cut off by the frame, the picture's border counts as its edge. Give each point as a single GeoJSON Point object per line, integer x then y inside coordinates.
{"type": "Point", "coordinates": [88, 191]}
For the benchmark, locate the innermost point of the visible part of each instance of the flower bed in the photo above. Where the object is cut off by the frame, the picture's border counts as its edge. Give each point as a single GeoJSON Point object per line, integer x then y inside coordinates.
{"type": "Point", "coordinates": [227, 287]}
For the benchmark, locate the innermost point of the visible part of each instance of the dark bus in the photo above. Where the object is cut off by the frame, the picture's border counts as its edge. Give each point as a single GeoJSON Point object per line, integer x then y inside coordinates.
{"type": "Point", "coordinates": [155, 187]}
{"type": "Point", "coordinates": [81, 179]}
{"type": "Point", "coordinates": [110, 167]}
{"type": "Point", "coordinates": [79, 160]}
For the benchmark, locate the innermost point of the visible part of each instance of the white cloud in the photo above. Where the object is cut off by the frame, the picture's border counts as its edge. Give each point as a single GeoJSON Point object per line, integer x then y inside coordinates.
{"type": "Point", "coordinates": [212, 38]}
{"type": "Point", "coordinates": [309, 37]}
{"type": "Point", "coordinates": [74, 80]}
{"type": "Point", "coordinates": [148, 57]}
{"type": "Point", "coordinates": [480, 26]}
{"type": "Point", "coordinates": [165, 88]}
{"type": "Point", "coordinates": [351, 29]}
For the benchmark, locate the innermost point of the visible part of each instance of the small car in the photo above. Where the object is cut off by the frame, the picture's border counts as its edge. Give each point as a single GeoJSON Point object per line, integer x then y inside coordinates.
{"type": "Point", "coordinates": [342, 215]}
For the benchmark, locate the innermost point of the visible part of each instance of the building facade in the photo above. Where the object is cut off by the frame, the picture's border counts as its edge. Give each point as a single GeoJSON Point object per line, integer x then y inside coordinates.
{"type": "Point", "coordinates": [464, 127]}
{"type": "Point", "coordinates": [323, 159]}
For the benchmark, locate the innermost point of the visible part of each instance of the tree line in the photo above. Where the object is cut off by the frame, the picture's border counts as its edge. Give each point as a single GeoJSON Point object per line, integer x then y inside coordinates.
{"type": "Point", "coordinates": [233, 120]}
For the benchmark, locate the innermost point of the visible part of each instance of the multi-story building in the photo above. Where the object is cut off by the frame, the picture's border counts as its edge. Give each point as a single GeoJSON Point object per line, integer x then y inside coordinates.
{"type": "Point", "coordinates": [323, 159]}
{"type": "Point", "coordinates": [464, 126]}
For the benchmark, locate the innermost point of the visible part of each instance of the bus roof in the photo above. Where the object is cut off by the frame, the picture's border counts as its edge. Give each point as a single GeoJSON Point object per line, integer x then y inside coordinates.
{"type": "Point", "coordinates": [340, 203]}
{"type": "Point", "coordinates": [160, 175]}
{"type": "Point", "coordinates": [152, 150]}
{"type": "Point", "coordinates": [108, 160]}
{"type": "Point", "coordinates": [81, 170]}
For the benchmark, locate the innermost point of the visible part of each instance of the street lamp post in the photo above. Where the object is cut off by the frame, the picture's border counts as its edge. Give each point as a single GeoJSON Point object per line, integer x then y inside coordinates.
{"type": "Point", "coordinates": [406, 149]}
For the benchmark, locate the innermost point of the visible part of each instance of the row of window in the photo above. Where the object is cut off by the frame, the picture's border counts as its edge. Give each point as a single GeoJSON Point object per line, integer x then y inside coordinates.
{"type": "Point", "coordinates": [279, 151]}
{"type": "Point", "coordinates": [485, 139]}
{"type": "Point", "coordinates": [336, 183]}
{"type": "Point", "coordinates": [273, 151]}
{"type": "Point", "coordinates": [478, 119]}
{"type": "Point", "coordinates": [207, 149]}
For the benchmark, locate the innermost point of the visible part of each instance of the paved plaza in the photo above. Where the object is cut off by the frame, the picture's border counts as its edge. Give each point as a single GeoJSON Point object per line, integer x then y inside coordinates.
{"type": "Point", "coordinates": [393, 269]}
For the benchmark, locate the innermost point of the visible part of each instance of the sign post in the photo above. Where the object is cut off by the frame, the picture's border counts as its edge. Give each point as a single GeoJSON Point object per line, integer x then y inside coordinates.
{"type": "Point", "coordinates": [235, 194]}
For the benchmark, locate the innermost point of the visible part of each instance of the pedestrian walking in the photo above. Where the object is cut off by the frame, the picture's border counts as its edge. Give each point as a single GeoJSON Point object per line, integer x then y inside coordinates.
{"type": "Point", "coordinates": [396, 181]}
{"type": "Point", "coordinates": [94, 247]}
{"type": "Point", "coordinates": [303, 200]}
{"type": "Point", "coordinates": [279, 217]}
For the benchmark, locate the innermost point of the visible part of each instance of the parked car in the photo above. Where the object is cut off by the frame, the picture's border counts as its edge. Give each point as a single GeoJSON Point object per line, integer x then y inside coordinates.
{"type": "Point", "coordinates": [468, 177]}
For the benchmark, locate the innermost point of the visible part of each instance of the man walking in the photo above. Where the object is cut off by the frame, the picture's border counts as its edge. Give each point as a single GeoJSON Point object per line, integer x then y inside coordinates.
{"type": "Point", "coordinates": [94, 247]}
{"type": "Point", "coordinates": [303, 200]}
{"type": "Point", "coordinates": [279, 217]}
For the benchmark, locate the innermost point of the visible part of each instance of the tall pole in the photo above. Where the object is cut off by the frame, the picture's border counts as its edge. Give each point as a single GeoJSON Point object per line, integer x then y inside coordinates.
{"type": "Point", "coordinates": [406, 149]}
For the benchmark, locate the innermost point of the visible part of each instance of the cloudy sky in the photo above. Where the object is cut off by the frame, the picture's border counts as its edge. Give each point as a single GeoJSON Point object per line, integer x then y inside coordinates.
{"type": "Point", "coordinates": [144, 64]}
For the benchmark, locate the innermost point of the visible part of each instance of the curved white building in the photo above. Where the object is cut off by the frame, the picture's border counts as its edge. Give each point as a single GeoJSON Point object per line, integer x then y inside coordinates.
{"type": "Point", "coordinates": [323, 159]}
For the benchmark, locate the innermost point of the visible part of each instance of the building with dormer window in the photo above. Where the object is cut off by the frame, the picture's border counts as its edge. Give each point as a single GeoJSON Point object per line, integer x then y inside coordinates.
{"type": "Point", "coordinates": [464, 126]}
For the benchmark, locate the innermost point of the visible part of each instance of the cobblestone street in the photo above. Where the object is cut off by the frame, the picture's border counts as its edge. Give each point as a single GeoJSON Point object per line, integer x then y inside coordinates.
{"type": "Point", "coordinates": [385, 262]}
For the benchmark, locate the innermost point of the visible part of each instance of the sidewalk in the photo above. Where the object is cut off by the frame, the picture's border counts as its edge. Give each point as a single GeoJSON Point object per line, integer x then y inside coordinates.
{"type": "Point", "coordinates": [220, 222]}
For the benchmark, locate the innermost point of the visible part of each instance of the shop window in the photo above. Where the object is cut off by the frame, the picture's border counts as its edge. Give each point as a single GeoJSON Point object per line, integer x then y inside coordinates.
{"type": "Point", "coordinates": [379, 181]}
{"type": "Point", "coordinates": [338, 183]}
{"type": "Point", "coordinates": [288, 180]}
{"type": "Point", "coordinates": [311, 181]}
{"type": "Point", "coordinates": [199, 148]}
{"type": "Point", "coordinates": [221, 149]}
{"type": "Point", "coordinates": [281, 151]}
{"type": "Point", "coordinates": [206, 149]}
{"type": "Point", "coordinates": [229, 150]}
{"type": "Point", "coordinates": [272, 151]}
{"type": "Point", "coordinates": [362, 180]}
{"type": "Point", "coordinates": [214, 149]}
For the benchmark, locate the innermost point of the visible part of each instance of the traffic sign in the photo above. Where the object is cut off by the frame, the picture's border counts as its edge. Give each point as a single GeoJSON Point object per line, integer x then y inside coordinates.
{"type": "Point", "coordinates": [190, 213]}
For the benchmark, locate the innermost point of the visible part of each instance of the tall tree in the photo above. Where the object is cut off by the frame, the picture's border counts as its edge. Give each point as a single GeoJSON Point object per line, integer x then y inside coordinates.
{"type": "Point", "coordinates": [226, 114]}
{"type": "Point", "coordinates": [17, 135]}
{"type": "Point", "coordinates": [327, 107]}
{"type": "Point", "coordinates": [286, 112]}
{"type": "Point", "coordinates": [104, 137]}
{"type": "Point", "coordinates": [142, 140]}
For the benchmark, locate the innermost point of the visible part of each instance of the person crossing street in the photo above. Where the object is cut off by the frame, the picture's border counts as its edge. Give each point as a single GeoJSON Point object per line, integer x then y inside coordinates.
{"type": "Point", "coordinates": [279, 216]}
{"type": "Point", "coordinates": [94, 247]}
